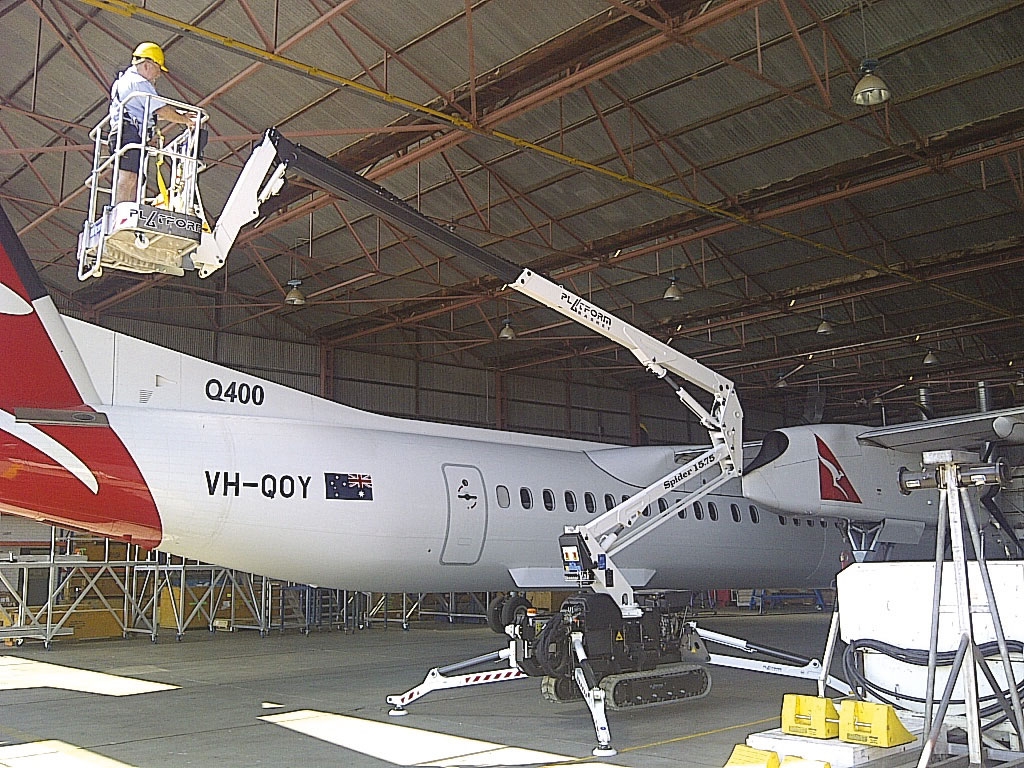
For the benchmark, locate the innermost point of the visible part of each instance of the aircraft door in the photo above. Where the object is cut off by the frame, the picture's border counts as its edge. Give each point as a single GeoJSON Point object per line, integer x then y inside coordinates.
{"type": "Point", "coordinates": [467, 515]}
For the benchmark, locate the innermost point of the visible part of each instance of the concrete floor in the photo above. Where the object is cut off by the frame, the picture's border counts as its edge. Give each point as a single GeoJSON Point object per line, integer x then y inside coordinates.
{"type": "Point", "coordinates": [226, 683]}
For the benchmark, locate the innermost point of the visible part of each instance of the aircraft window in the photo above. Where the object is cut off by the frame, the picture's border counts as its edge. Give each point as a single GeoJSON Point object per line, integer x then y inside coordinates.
{"type": "Point", "coordinates": [662, 505]}
{"type": "Point", "coordinates": [526, 498]}
{"type": "Point", "coordinates": [782, 520]}
{"type": "Point", "coordinates": [682, 512]}
{"type": "Point", "coordinates": [503, 498]}
{"type": "Point", "coordinates": [754, 516]}
{"type": "Point", "coordinates": [712, 510]}
{"type": "Point", "coordinates": [647, 511]}
{"type": "Point", "coordinates": [796, 521]}
{"type": "Point", "coordinates": [549, 499]}
{"type": "Point", "coordinates": [698, 511]}
{"type": "Point", "coordinates": [570, 501]}
{"type": "Point", "coordinates": [735, 509]}
{"type": "Point", "coordinates": [625, 497]}
{"type": "Point", "coordinates": [609, 501]}
{"type": "Point", "coordinates": [824, 524]}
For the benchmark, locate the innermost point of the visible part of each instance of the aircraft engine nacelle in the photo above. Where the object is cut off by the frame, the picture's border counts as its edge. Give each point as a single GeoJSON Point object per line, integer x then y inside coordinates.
{"type": "Point", "coordinates": [825, 470]}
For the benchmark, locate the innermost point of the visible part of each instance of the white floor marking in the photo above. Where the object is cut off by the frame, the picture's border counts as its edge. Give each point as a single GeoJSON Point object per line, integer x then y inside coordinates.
{"type": "Point", "coordinates": [402, 745]}
{"type": "Point", "coordinates": [54, 754]}
{"type": "Point", "coordinates": [18, 673]}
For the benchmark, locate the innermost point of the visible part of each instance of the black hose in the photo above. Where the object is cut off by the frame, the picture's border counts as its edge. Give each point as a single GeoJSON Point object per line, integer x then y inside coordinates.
{"type": "Point", "coordinates": [552, 635]}
{"type": "Point", "coordinates": [919, 658]}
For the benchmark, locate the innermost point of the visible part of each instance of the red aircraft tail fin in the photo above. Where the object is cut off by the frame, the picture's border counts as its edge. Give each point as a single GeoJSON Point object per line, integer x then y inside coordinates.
{"type": "Point", "coordinates": [60, 461]}
{"type": "Point", "coordinates": [42, 368]}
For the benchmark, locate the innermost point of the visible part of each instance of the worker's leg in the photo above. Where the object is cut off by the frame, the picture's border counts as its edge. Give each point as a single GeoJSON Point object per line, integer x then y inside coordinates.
{"type": "Point", "coordinates": [126, 183]}
{"type": "Point", "coordinates": [128, 173]}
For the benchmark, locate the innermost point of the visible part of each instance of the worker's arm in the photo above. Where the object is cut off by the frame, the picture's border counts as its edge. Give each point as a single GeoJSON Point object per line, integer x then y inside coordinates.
{"type": "Point", "coordinates": [172, 115]}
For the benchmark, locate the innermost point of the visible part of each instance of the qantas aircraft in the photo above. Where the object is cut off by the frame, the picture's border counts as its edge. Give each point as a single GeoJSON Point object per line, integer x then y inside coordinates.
{"type": "Point", "coordinates": [103, 432]}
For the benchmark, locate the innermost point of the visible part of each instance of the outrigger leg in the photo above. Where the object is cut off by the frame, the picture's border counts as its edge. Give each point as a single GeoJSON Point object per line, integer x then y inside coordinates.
{"type": "Point", "coordinates": [437, 679]}
{"type": "Point", "coordinates": [594, 695]}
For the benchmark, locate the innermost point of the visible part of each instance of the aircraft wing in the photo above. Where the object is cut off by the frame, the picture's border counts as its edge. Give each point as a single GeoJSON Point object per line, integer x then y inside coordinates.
{"type": "Point", "coordinates": [951, 432]}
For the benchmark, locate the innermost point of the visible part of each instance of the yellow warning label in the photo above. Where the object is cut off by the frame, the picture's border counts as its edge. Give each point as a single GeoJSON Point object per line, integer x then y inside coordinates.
{"type": "Point", "coordinates": [618, 636]}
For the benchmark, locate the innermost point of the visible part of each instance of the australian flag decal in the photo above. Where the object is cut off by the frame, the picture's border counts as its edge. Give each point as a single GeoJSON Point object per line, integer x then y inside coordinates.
{"type": "Point", "coordinates": [349, 487]}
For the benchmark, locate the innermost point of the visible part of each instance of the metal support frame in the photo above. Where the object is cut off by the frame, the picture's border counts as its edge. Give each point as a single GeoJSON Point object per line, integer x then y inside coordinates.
{"type": "Point", "coordinates": [952, 471]}
{"type": "Point", "coordinates": [71, 580]}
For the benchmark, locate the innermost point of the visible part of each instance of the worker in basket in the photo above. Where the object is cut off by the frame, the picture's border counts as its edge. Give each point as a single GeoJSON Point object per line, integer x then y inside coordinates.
{"type": "Point", "coordinates": [132, 96]}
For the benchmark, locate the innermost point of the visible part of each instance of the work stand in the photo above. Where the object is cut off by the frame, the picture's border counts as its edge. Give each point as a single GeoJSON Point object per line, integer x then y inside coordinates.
{"type": "Point", "coordinates": [952, 473]}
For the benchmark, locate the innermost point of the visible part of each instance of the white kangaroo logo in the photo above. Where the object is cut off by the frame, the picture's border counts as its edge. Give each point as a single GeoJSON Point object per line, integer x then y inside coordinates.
{"type": "Point", "coordinates": [837, 475]}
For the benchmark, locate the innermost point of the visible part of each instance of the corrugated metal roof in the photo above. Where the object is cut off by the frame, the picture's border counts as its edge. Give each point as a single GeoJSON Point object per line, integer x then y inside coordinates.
{"type": "Point", "coordinates": [720, 159]}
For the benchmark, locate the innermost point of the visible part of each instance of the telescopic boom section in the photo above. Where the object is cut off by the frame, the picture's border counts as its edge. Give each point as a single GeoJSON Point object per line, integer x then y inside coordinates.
{"type": "Point", "coordinates": [587, 550]}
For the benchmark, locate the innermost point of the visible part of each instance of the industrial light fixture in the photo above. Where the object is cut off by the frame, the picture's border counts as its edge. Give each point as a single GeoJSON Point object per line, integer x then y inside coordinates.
{"type": "Point", "coordinates": [507, 331]}
{"type": "Point", "coordinates": [825, 328]}
{"type": "Point", "coordinates": [930, 359]}
{"type": "Point", "coordinates": [672, 293]}
{"type": "Point", "coordinates": [294, 297]}
{"type": "Point", "coordinates": [870, 90]}
{"type": "Point", "coordinates": [781, 381]}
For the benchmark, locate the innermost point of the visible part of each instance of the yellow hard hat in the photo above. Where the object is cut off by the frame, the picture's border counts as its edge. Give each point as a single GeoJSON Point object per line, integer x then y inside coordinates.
{"type": "Point", "coordinates": [150, 51]}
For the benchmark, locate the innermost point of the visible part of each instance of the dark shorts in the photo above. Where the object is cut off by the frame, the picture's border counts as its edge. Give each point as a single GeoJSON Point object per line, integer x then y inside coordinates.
{"type": "Point", "coordinates": [129, 135]}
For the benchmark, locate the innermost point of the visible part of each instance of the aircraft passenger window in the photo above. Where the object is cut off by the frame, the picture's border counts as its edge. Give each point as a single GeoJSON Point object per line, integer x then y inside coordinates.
{"type": "Point", "coordinates": [736, 516]}
{"type": "Point", "coordinates": [590, 502]}
{"type": "Point", "coordinates": [526, 498]}
{"type": "Point", "coordinates": [754, 516]}
{"type": "Point", "coordinates": [503, 498]}
{"type": "Point", "coordinates": [609, 501]}
{"type": "Point", "coordinates": [682, 512]}
{"type": "Point", "coordinates": [549, 499]}
{"type": "Point", "coordinates": [625, 497]}
{"type": "Point", "coordinates": [570, 501]}
{"type": "Point", "coordinates": [712, 511]}
{"type": "Point", "coordinates": [823, 524]}
{"type": "Point", "coordinates": [662, 505]}
{"type": "Point", "coordinates": [796, 521]}
{"type": "Point", "coordinates": [647, 511]}
{"type": "Point", "coordinates": [698, 511]}
{"type": "Point", "coordinates": [782, 520]}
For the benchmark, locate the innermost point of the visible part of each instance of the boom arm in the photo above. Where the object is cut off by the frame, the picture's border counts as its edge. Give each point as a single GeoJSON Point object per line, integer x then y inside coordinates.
{"type": "Point", "coordinates": [586, 549]}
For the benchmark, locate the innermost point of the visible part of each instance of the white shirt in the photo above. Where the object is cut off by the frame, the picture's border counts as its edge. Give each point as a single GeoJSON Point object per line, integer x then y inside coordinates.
{"type": "Point", "coordinates": [131, 82]}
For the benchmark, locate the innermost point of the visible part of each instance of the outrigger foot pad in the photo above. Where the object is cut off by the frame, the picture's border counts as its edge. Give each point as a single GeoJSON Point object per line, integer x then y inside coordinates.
{"type": "Point", "coordinates": [604, 751]}
{"type": "Point", "coordinates": [398, 712]}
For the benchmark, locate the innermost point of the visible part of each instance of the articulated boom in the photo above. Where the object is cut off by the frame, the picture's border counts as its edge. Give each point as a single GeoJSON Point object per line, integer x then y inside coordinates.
{"type": "Point", "coordinates": [588, 549]}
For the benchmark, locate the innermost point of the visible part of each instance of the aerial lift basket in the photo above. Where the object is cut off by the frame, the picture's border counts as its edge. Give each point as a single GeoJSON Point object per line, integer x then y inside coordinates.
{"type": "Point", "coordinates": [145, 234]}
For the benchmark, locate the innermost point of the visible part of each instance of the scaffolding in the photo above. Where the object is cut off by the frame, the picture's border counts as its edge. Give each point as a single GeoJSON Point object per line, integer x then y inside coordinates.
{"type": "Point", "coordinates": [86, 587]}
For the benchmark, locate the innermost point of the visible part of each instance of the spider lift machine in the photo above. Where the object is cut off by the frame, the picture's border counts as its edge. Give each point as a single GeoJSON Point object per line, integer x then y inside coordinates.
{"type": "Point", "coordinates": [607, 644]}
